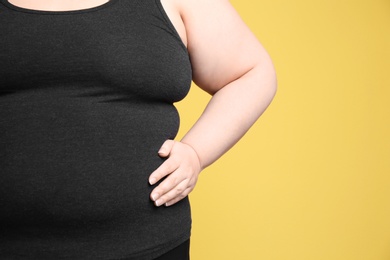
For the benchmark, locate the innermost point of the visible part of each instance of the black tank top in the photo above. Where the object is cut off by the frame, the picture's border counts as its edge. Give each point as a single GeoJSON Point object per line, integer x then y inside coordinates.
{"type": "Point", "coordinates": [86, 101]}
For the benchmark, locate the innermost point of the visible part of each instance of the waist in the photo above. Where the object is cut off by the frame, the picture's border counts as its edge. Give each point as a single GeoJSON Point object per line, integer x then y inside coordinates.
{"type": "Point", "coordinates": [71, 159]}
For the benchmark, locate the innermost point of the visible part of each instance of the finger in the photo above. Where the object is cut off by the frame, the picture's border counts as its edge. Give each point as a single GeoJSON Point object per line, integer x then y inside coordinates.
{"type": "Point", "coordinates": [166, 186]}
{"type": "Point", "coordinates": [166, 148]}
{"type": "Point", "coordinates": [177, 192]}
{"type": "Point", "coordinates": [179, 198]}
{"type": "Point", "coordinates": [169, 166]}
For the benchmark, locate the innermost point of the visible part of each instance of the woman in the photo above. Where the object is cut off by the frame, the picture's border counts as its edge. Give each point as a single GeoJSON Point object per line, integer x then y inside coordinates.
{"type": "Point", "coordinates": [87, 121]}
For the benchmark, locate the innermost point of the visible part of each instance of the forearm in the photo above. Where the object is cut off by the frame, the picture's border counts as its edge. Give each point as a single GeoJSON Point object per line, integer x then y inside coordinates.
{"type": "Point", "coordinates": [230, 113]}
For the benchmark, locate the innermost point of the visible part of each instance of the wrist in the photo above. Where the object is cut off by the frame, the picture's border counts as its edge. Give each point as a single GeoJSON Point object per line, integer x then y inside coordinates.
{"type": "Point", "coordinates": [196, 154]}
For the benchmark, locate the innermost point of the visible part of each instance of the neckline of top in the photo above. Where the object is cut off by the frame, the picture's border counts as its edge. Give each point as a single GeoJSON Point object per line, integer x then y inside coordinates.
{"type": "Point", "coordinates": [47, 12]}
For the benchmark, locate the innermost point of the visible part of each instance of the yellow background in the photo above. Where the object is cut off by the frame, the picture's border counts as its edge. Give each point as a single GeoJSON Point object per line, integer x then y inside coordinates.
{"type": "Point", "coordinates": [311, 180]}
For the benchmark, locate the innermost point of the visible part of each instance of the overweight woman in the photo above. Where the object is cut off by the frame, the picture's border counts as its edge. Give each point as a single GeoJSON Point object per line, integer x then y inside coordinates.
{"type": "Point", "coordinates": [89, 164]}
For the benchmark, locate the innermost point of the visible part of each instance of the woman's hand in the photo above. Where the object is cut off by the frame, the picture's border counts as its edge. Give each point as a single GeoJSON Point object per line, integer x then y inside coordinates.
{"type": "Point", "coordinates": [181, 168]}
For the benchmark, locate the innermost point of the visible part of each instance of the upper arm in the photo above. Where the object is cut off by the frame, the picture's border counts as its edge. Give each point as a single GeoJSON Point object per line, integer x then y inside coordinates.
{"type": "Point", "coordinates": [221, 47]}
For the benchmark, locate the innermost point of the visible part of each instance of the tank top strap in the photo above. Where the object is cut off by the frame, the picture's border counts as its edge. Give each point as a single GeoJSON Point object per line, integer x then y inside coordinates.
{"type": "Point", "coordinates": [152, 11]}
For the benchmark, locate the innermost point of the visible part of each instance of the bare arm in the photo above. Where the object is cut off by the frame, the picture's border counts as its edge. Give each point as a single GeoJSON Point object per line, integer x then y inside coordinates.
{"type": "Point", "coordinates": [229, 63]}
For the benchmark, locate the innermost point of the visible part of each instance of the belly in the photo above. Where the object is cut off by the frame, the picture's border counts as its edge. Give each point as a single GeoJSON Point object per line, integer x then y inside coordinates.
{"type": "Point", "coordinates": [69, 159]}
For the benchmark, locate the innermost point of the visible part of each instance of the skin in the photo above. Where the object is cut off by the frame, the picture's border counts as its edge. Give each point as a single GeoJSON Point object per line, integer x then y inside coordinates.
{"type": "Point", "coordinates": [228, 62]}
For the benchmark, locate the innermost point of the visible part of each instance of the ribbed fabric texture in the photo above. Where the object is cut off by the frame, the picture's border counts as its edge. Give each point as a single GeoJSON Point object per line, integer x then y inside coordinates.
{"type": "Point", "coordinates": [86, 101]}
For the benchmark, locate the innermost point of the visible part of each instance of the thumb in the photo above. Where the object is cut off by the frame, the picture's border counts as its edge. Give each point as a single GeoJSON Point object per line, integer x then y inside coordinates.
{"type": "Point", "coordinates": [166, 148]}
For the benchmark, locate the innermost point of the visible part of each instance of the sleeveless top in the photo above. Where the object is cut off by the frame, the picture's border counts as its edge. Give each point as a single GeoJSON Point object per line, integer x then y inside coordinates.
{"type": "Point", "coordinates": [86, 101]}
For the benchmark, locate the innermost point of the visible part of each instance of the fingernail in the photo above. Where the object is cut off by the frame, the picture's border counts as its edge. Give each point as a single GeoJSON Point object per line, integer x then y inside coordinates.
{"type": "Point", "coordinates": [158, 203]}
{"type": "Point", "coordinates": [154, 196]}
{"type": "Point", "coordinates": [162, 151]}
{"type": "Point", "coordinates": [152, 181]}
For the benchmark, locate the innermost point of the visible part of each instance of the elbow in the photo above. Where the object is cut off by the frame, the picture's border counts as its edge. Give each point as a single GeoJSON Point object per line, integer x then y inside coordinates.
{"type": "Point", "coordinates": [274, 83]}
{"type": "Point", "coordinates": [272, 86]}
{"type": "Point", "coordinates": [270, 75]}
{"type": "Point", "coordinates": [266, 78]}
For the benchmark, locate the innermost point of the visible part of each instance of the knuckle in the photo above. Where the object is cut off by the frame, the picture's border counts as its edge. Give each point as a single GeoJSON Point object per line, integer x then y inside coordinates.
{"type": "Point", "coordinates": [182, 196]}
{"type": "Point", "coordinates": [162, 188]}
{"type": "Point", "coordinates": [179, 190]}
{"type": "Point", "coordinates": [162, 191]}
{"type": "Point", "coordinates": [168, 144]}
{"type": "Point", "coordinates": [168, 184]}
{"type": "Point", "coordinates": [174, 181]}
{"type": "Point", "coordinates": [168, 141]}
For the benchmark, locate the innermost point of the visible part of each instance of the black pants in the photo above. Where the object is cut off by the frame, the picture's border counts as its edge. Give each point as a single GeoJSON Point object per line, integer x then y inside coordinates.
{"type": "Point", "coordinates": [182, 252]}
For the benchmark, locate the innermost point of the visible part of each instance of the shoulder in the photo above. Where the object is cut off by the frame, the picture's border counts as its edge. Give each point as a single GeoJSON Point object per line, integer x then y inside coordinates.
{"type": "Point", "coordinates": [184, 14]}
{"type": "Point", "coordinates": [221, 47]}
{"type": "Point", "coordinates": [173, 10]}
